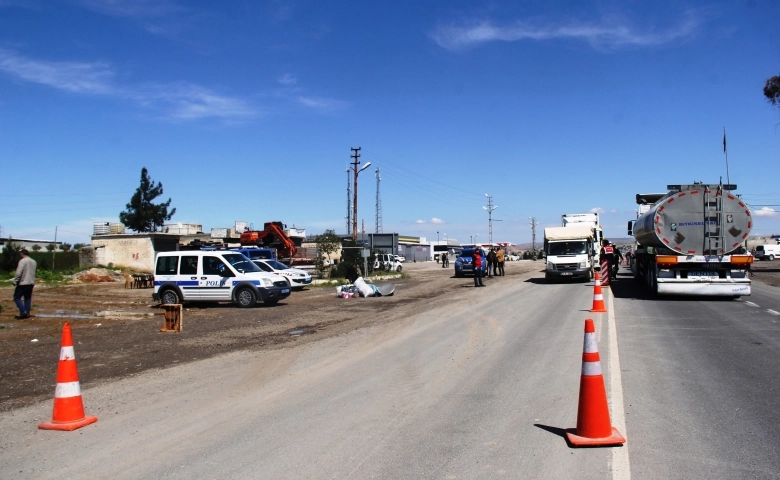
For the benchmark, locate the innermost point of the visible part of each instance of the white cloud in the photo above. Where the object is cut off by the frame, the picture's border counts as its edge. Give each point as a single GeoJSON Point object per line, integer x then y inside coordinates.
{"type": "Point", "coordinates": [437, 220]}
{"type": "Point", "coordinates": [287, 79]}
{"type": "Point", "coordinates": [132, 8]}
{"type": "Point", "coordinates": [765, 212]}
{"type": "Point", "coordinates": [78, 77]}
{"type": "Point", "coordinates": [420, 221]}
{"type": "Point", "coordinates": [606, 34]}
{"type": "Point", "coordinates": [184, 101]}
{"type": "Point", "coordinates": [598, 210]}
{"type": "Point", "coordinates": [180, 101]}
{"type": "Point", "coordinates": [321, 104]}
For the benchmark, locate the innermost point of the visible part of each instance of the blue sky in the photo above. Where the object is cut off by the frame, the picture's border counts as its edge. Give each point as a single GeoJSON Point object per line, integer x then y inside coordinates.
{"type": "Point", "coordinates": [247, 110]}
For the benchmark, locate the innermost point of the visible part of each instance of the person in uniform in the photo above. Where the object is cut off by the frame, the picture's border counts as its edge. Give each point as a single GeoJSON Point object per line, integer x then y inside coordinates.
{"type": "Point", "coordinates": [608, 252]}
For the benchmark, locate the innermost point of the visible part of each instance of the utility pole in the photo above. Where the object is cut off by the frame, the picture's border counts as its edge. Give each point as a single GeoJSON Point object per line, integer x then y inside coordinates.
{"type": "Point", "coordinates": [534, 223]}
{"type": "Point", "coordinates": [355, 172]}
{"type": "Point", "coordinates": [349, 202]}
{"type": "Point", "coordinates": [378, 221]}
{"type": "Point", "coordinates": [490, 207]}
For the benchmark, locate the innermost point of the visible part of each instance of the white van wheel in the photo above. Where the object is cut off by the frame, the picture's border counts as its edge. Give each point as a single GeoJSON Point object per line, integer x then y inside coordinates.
{"type": "Point", "coordinates": [246, 298]}
{"type": "Point", "coordinates": [771, 257]}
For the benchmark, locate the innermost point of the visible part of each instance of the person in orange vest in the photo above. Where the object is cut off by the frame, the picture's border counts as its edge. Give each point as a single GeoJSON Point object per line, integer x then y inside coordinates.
{"type": "Point", "coordinates": [608, 252]}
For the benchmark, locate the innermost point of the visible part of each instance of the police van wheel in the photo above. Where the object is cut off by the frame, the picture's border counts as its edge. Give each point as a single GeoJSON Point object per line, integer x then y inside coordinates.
{"type": "Point", "coordinates": [169, 297]}
{"type": "Point", "coordinates": [246, 298]}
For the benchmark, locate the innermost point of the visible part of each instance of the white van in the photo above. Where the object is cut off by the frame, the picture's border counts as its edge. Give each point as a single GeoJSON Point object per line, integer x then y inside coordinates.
{"type": "Point", "coordinates": [214, 276]}
{"type": "Point", "coordinates": [387, 262]}
{"type": "Point", "coordinates": [767, 252]}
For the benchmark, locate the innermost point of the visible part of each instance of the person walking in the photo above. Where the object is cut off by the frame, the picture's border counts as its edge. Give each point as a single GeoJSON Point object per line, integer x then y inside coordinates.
{"type": "Point", "coordinates": [24, 281]}
{"type": "Point", "coordinates": [500, 262]}
{"type": "Point", "coordinates": [477, 263]}
{"type": "Point", "coordinates": [445, 261]}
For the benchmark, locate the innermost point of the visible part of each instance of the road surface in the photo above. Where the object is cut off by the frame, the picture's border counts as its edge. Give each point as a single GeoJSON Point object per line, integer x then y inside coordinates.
{"type": "Point", "coordinates": [481, 386]}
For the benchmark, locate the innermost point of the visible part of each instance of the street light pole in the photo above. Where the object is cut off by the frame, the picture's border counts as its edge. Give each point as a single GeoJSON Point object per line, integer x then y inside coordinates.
{"type": "Point", "coordinates": [355, 164]}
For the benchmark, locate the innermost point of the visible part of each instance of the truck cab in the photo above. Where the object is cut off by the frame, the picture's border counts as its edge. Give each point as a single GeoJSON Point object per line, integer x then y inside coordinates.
{"type": "Point", "coordinates": [569, 253]}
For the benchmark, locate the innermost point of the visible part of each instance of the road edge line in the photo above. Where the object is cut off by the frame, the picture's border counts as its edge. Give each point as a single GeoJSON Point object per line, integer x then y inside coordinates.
{"type": "Point", "coordinates": [621, 467]}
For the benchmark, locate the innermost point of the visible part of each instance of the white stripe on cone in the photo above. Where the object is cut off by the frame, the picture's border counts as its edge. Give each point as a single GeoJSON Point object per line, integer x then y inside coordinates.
{"type": "Point", "coordinates": [590, 344]}
{"type": "Point", "coordinates": [591, 369]}
{"type": "Point", "coordinates": [67, 353]}
{"type": "Point", "coordinates": [67, 390]}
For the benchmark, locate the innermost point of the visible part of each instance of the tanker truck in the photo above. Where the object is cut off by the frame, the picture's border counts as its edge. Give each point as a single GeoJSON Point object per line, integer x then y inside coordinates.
{"type": "Point", "coordinates": [690, 241]}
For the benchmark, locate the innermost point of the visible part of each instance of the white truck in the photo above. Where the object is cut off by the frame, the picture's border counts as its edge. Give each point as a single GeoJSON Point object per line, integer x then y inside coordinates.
{"type": "Point", "coordinates": [591, 220]}
{"type": "Point", "coordinates": [690, 241]}
{"type": "Point", "coordinates": [570, 252]}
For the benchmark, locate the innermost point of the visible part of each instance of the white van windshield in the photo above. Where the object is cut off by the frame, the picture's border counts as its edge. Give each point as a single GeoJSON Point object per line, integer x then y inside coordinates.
{"type": "Point", "coordinates": [568, 248]}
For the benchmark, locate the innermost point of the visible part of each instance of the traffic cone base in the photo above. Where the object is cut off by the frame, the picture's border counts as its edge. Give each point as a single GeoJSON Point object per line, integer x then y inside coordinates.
{"type": "Point", "coordinates": [615, 439]}
{"type": "Point", "coordinates": [67, 426]}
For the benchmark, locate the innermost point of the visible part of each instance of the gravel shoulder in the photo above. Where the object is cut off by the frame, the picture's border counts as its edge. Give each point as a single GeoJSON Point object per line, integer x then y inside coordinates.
{"type": "Point", "coordinates": [116, 330]}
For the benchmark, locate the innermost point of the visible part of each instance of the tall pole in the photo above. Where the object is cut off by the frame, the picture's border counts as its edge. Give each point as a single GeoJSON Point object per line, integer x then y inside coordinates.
{"type": "Point", "coordinates": [490, 207]}
{"type": "Point", "coordinates": [355, 163]}
{"type": "Point", "coordinates": [349, 202]}
{"type": "Point", "coordinates": [726, 152]}
{"type": "Point", "coordinates": [54, 249]}
{"type": "Point", "coordinates": [378, 221]}
{"type": "Point", "coordinates": [534, 223]}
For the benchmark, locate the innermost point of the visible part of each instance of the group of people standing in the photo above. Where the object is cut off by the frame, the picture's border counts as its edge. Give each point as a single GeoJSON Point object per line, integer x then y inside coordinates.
{"type": "Point", "coordinates": [494, 266]}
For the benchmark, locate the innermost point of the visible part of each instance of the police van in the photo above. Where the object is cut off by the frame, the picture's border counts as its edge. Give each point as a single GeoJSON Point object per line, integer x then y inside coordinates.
{"type": "Point", "coordinates": [215, 276]}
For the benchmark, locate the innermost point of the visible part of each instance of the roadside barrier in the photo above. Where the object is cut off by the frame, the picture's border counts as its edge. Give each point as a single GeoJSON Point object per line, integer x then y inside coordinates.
{"type": "Point", "coordinates": [605, 268]}
{"type": "Point", "coordinates": [173, 318]}
{"type": "Point", "coordinates": [68, 406]}
{"type": "Point", "coordinates": [593, 424]}
{"type": "Point", "coordinates": [598, 297]}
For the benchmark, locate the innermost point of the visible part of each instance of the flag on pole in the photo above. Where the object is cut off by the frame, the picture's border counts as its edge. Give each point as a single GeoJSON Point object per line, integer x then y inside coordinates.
{"type": "Point", "coordinates": [724, 140]}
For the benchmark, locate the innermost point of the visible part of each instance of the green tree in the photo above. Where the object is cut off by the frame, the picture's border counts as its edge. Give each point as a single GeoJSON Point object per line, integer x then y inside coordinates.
{"type": "Point", "coordinates": [79, 246]}
{"type": "Point", "coordinates": [327, 244]}
{"type": "Point", "coordinates": [65, 247]}
{"type": "Point", "coordinates": [36, 248]}
{"type": "Point", "coordinates": [9, 257]}
{"type": "Point", "coordinates": [51, 247]}
{"type": "Point", "coordinates": [142, 215]}
{"type": "Point", "coordinates": [772, 90]}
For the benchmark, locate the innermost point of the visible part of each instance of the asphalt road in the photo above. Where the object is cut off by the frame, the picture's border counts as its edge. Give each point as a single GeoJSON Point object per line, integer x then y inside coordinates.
{"type": "Point", "coordinates": [701, 382]}
{"type": "Point", "coordinates": [480, 388]}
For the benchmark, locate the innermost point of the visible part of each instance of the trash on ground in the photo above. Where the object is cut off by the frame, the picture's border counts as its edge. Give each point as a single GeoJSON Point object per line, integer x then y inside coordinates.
{"type": "Point", "coordinates": [362, 289]}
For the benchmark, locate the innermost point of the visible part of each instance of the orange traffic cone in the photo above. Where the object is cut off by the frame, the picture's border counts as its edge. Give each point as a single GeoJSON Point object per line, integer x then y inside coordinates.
{"type": "Point", "coordinates": [593, 424]}
{"type": "Point", "coordinates": [598, 297]}
{"type": "Point", "coordinates": [68, 407]}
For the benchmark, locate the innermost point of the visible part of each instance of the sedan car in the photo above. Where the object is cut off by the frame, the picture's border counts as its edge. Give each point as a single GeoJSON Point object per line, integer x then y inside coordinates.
{"type": "Point", "coordinates": [297, 278]}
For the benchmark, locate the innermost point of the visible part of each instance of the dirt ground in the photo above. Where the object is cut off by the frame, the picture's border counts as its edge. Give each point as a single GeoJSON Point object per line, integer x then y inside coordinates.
{"type": "Point", "coordinates": [116, 330]}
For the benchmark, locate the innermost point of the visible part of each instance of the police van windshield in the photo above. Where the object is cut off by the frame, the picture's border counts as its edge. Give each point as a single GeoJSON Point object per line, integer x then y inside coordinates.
{"type": "Point", "coordinates": [241, 263]}
{"type": "Point", "coordinates": [568, 248]}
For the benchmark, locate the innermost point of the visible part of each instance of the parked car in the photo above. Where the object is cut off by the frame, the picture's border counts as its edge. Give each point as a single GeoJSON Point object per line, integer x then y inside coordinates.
{"type": "Point", "coordinates": [298, 278]}
{"type": "Point", "coordinates": [464, 265]}
{"type": "Point", "coordinates": [387, 262]}
{"type": "Point", "coordinates": [511, 257]}
{"type": "Point", "coordinates": [767, 252]}
{"type": "Point", "coordinates": [400, 258]}
{"type": "Point", "coordinates": [215, 276]}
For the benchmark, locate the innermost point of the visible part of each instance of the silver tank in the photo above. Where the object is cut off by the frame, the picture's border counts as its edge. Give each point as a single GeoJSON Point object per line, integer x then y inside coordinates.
{"type": "Point", "coordinates": [696, 220]}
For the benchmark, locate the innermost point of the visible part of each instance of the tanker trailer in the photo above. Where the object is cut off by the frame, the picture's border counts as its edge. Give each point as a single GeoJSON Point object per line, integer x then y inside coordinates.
{"type": "Point", "coordinates": [691, 241]}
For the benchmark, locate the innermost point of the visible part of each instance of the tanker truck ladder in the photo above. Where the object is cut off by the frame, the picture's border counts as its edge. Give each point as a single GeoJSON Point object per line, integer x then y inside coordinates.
{"type": "Point", "coordinates": [713, 221]}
